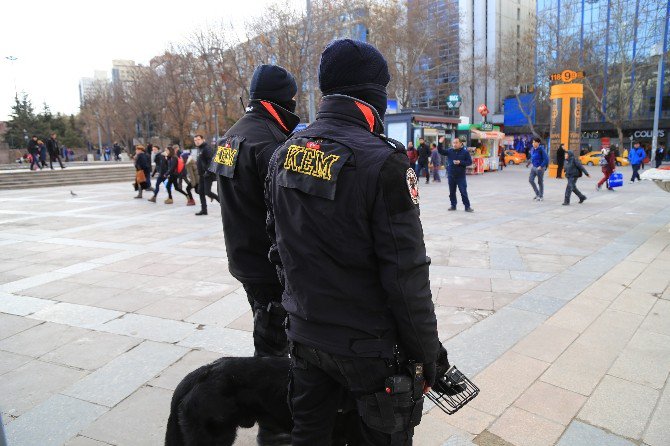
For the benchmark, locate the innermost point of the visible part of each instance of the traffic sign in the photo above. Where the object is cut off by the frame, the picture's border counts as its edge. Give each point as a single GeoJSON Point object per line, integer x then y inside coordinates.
{"type": "Point", "coordinates": [454, 101]}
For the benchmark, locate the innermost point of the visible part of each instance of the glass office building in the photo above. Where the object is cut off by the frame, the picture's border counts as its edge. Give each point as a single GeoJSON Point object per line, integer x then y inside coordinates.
{"type": "Point", "coordinates": [618, 43]}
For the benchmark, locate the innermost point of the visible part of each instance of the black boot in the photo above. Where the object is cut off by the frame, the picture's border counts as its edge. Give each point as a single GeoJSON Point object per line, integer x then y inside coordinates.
{"type": "Point", "coordinates": [202, 212]}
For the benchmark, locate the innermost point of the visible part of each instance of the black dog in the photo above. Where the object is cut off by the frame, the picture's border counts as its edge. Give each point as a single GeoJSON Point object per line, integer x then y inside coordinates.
{"type": "Point", "coordinates": [211, 402]}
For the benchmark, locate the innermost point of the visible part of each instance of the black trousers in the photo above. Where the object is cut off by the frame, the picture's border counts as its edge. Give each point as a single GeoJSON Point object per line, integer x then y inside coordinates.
{"type": "Point", "coordinates": [572, 188]}
{"type": "Point", "coordinates": [205, 190]}
{"type": "Point", "coordinates": [55, 157]}
{"type": "Point", "coordinates": [269, 317]}
{"type": "Point", "coordinates": [636, 172]}
{"type": "Point", "coordinates": [320, 382]}
{"type": "Point", "coordinates": [175, 180]}
{"type": "Point", "coordinates": [559, 170]}
{"type": "Point", "coordinates": [421, 167]}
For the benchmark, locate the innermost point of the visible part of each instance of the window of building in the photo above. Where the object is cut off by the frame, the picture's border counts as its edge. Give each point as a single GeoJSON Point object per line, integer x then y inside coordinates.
{"type": "Point", "coordinates": [518, 13]}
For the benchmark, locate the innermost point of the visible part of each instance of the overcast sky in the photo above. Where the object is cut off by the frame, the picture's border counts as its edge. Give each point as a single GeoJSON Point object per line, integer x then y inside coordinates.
{"type": "Point", "coordinates": [58, 42]}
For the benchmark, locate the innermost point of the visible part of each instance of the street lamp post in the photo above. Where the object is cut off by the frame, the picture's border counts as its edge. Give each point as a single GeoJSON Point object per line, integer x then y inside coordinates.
{"type": "Point", "coordinates": [310, 69]}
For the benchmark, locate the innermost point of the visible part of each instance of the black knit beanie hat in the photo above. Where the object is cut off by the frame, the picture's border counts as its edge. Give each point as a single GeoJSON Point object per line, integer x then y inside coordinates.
{"type": "Point", "coordinates": [273, 83]}
{"type": "Point", "coordinates": [356, 69]}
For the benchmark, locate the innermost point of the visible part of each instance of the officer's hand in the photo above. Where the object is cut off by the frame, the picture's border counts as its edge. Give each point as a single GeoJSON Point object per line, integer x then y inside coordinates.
{"type": "Point", "coordinates": [429, 372]}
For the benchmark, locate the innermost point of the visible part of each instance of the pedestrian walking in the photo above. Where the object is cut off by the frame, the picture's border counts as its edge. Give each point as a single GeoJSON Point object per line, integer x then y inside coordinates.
{"type": "Point", "coordinates": [560, 161]}
{"type": "Point", "coordinates": [422, 161]}
{"type": "Point", "coordinates": [142, 171]}
{"type": "Point", "coordinates": [412, 154]}
{"type": "Point", "coordinates": [458, 159]}
{"type": "Point", "coordinates": [607, 165]}
{"type": "Point", "coordinates": [636, 158]}
{"type": "Point", "coordinates": [54, 151]}
{"type": "Point", "coordinates": [43, 153]}
{"type": "Point", "coordinates": [539, 160]}
{"type": "Point", "coordinates": [161, 168]}
{"type": "Point", "coordinates": [34, 151]}
{"type": "Point", "coordinates": [501, 158]}
{"type": "Point", "coordinates": [573, 170]}
{"type": "Point", "coordinates": [175, 172]}
{"type": "Point", "coordinates": [241, 165]}
{"type": "Point", "coordinates": [436, 161]}
{"type": "Point", "coordinates": [660, 153]}
{"type": "Point", "coordinates": [205, 155]}
{"type": "Point", "coordinates": [191, 178]}
{"type": "Point", "coordinates": [117, 151]}
{"type": "Point", "coordinates": [353, 300]}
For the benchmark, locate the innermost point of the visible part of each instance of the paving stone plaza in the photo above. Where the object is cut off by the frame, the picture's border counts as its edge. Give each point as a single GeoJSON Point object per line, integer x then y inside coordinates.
{"type": "Point", "coordinates": [560, 314]}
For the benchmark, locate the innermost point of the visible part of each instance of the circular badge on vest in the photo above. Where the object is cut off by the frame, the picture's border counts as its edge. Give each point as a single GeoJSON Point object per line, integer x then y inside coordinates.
{"type": "Point", "coordinates": [412, 185]}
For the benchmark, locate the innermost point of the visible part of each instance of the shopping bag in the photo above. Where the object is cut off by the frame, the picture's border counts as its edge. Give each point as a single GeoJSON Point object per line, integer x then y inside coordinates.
{"type": "Point", "coordinates": [615, 180]}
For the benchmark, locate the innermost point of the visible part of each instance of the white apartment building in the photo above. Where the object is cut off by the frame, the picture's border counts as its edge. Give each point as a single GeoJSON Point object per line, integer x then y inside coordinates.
{"type": "Point", "coordinates": [486, 27]}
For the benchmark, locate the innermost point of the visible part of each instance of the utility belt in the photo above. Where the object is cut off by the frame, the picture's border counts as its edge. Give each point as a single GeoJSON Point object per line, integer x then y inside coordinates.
{"type": "Point", "coordinates": [399, 406]}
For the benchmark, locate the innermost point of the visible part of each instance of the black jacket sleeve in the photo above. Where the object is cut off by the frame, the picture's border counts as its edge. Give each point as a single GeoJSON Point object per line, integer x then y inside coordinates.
{"type": "Point", "coordinates": [403, 264]}
{"type": "Point", "coordinates": [467, 158]}
{"type": "Point", "coordinates": [273, 254]}
{"type": "Point", "coordinates": [441, 149]}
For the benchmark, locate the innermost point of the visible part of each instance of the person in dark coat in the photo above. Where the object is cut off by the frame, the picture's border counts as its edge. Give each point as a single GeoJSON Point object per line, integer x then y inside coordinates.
{"type": "Point", "coordinates": [607, 165]}
{"type": "Point", "coordinates": [34, 151]}
{"type": "Point", "coordinates": [117, 151]}
{"type": "Point", "coordinates": [347, 240]}
{"type": "Point", "coordinates": [161, 168]}
{"type": "Point", "coordinates": [560, 160]}
{"type": "Point", "coordinates": [54, 151]}
{"type": "Point", "coordinates": [422, 161]}
{"type": "Point", "coordinates": [573, 170]}
{"type": "Point", "coordinates": [660, 153]}
{"type": "Point", "coordinates": [241, 165]}
{"type": "Point", "coordinates": [143, 164]}
{"type": "Point", "coordinates": [205, 155]}
{"type": "Point", "coordinates": [43, 153]}
{"type": "Point", "coordinates": [458, 159]}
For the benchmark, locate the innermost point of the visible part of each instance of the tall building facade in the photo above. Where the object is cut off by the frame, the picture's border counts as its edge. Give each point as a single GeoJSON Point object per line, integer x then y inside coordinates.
{"type": "Point", "coordinates": [88, 85]}
{"type": "Point", "coordinates": [619, 44]}
{"type": "Point", "coordinates": [469, 63]}
{"type": "Point", "coordinates": [122, 70]}
{"type": "Point", "coordinates": [489, 30]}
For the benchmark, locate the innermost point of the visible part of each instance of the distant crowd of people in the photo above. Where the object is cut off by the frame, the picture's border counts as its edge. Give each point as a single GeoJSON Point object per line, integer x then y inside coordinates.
{"type": "Point", "coordinates": [175, 168]}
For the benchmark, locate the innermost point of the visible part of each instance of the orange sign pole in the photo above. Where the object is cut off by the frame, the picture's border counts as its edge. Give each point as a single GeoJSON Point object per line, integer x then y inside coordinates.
{"type": "Point", "coordinates": [566, 111]}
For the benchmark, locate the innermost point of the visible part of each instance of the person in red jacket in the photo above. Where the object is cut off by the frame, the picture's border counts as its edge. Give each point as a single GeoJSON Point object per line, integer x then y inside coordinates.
{"type": "Point", "coordinates": [608, 166]}
{"type": "Point", "coordinates": [412, 154]}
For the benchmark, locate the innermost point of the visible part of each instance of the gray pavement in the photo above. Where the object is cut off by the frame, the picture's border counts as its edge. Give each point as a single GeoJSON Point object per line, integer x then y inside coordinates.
{"type": "Point", "coordinates": [561, 314]}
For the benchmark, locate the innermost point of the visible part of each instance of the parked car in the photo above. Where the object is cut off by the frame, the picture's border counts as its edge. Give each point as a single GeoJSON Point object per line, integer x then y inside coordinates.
{"type": "Point", "coordinates": [514, 157]}
{"type": "Point", "coordinates": [593, 159]}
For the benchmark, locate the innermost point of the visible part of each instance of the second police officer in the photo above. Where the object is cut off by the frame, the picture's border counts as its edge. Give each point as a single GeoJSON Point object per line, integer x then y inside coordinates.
{"type": "Point", "coordinates": [343, 212]}
{"type": "Point", "coordinates": [241, 163]}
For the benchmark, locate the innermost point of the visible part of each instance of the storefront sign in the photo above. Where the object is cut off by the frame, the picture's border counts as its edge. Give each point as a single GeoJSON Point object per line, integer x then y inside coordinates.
{"type": "Point", "coordinates": [648, 134]}
{"type": "Point", "coordinates": [575, 129]}
{"type": "Point", "coordinates": [566, 76]}
{"type": "Point", "coordinates": [434, 125]}
{"type": "Point", "coordinates": [487, 126]}
{"type": "Point", "coordinates": [555, 121]}
{"type": "Point", "coordinates": [454, 101]}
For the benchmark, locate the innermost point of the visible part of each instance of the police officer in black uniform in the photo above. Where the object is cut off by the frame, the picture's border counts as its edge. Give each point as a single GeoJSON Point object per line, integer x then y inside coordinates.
{"type": "Point", "coordinates": [241, 164]}
{"type": "Point", "coordinates": [347, 238]}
